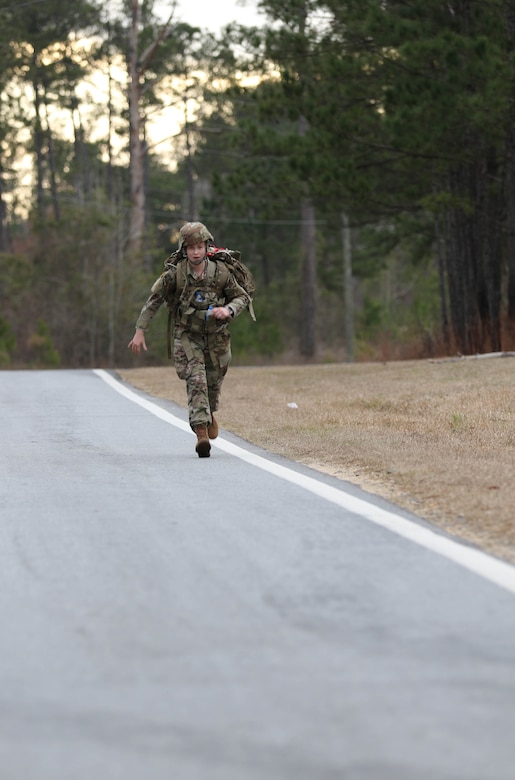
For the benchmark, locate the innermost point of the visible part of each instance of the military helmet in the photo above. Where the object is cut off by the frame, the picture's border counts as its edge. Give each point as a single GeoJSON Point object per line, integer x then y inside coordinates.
{"type": "Point", "coordinates": [193, 233]}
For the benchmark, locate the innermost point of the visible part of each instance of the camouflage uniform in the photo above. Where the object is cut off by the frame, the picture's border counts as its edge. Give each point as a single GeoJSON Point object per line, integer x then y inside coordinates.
{"type": "Point", "coordinates": [202, 344]}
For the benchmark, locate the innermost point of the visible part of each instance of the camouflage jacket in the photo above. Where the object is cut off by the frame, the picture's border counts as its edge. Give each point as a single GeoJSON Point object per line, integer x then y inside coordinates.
{"type": "Point", "coordinates": [190, 305]}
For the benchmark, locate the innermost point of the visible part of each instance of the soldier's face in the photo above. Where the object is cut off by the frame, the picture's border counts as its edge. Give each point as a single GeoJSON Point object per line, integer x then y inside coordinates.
{"type": "Point", "coordinates": [196, 252]}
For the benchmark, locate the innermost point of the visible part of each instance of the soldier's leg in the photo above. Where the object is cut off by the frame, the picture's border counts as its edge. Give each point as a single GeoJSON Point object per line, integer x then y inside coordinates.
{"type": "Point", "coordinates": [218, 360]}
{"type": "Point", "coordinates": [189, 357]}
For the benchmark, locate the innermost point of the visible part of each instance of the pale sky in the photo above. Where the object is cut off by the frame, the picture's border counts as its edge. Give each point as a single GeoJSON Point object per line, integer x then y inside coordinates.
{"type": "Point", "coordinates": [213, 14]}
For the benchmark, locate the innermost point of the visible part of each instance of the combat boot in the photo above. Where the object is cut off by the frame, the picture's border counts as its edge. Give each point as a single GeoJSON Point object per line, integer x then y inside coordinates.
{"type": "Point", "coordinates": [203, 446]}
{"type": "Point", "coordinates": [212, 428]}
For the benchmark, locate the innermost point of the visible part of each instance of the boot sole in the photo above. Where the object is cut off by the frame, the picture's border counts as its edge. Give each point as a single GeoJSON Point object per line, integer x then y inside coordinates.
{"type": "Point", "coordinates": [203, 448]}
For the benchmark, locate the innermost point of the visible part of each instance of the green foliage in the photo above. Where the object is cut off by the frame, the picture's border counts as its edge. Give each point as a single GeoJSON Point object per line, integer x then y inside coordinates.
{"type": "Point", "coordinates": [7, 343]}
{"type": "Point", "coordinates": [78, 281]}
{"type": "Point", "coordinates": [401, 307]}
{"type": "Point", "coordinates": [253, 341]}
{"type": "Point", "coordinates": [42, 352]}
{"type": "Point", "coordinates": [399, 115]}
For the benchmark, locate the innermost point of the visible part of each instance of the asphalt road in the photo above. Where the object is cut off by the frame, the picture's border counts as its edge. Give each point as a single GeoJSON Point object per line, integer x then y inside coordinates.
{"type": "Point", "coordinates": [165, 617]}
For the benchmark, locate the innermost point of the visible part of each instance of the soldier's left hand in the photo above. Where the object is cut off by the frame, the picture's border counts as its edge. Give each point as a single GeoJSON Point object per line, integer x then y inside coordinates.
{"type": "Point", "coordinates": [221, 312]}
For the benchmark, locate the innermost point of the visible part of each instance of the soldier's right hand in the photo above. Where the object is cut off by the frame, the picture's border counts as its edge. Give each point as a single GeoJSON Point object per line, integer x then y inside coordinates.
{"type": "Point", "coordinates": [137, 342]}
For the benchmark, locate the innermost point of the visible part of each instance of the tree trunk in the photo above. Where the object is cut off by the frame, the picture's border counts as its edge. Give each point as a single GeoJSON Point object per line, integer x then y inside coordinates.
{"type": "Point", "coordinates": [83, 179]}
{"type": "Point", "coordinates": [51, 161]}
{"type": "Point", "coordinates": [509, 195]}
{"type": "Point", "coordinates": [38, 145]}
{"type": "Point", "coordinates": [489, 244]}
{"type": "Point", "coordinates": [138, 65]}
{"type": "Point", "coordinates": [348, 291]}
{"type": "Point", "coordinates": [110, 129]}
{"type": "Point", "coordinates": [308, 281]}
{"type": "Point", "coordinates": [510, 229]}
{"type": "Point", "coordinates": [473, 254]}
{"type": "Point", "coordinates": [308, 269]}
{"type": "Point", "coordinates": [5, 236]}
{"type": "Point", "coordinates": [442, 282]}
{"type": "Point", "coordinates": [191, 211]}
{"type": "Point", "coordinates": [460, 266]}
{"type": "Point", "coordinates": [137, 189]}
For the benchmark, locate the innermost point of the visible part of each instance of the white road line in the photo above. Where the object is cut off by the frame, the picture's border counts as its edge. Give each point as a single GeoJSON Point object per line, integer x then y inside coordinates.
{"type": "Point", "coordinates": [498, 572]}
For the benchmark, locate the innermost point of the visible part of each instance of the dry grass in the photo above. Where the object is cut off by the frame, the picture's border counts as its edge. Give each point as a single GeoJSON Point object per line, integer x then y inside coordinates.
{"type": "Point", "coordinates": [437, 438]}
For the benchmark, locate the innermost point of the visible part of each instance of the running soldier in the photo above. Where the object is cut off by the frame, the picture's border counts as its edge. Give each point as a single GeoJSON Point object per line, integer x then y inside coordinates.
{"type": "Point", "coordinates": [203, 296]}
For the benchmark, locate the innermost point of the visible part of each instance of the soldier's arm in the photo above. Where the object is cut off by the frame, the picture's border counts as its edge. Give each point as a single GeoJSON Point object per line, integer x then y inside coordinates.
{"type": "Point", "coordinates": [157, 297]}
{"type": "Point", "coordinates": [153, 303]}
{"type": "Point", "coordinates": [236, 299]}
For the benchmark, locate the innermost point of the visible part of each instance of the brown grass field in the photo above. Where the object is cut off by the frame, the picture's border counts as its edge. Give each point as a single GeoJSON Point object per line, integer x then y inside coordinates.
{"type": "Point", "coordinates": [434, 437]}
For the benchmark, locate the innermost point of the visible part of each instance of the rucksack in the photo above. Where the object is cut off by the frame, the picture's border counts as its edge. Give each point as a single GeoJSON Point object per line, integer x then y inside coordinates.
{"type": "Point", "coordinates": [230, 259]}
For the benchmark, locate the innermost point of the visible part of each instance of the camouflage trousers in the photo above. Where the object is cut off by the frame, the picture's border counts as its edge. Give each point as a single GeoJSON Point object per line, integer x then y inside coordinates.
{"type": "Point", "coordinates": [202, 360]}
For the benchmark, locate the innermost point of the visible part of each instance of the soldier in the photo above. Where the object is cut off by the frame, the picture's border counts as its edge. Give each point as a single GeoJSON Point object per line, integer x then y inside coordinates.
{"type": "Point", "coordinates": [204, 296]}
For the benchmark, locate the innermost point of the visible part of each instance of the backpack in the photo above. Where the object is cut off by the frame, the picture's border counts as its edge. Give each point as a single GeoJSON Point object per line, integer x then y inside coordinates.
{"type": "Point", "coordinates": [230, 260]}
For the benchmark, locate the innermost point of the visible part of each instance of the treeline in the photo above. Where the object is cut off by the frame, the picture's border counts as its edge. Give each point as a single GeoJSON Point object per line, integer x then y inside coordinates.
{"type": "Point", "coordinates": [360, 154]}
